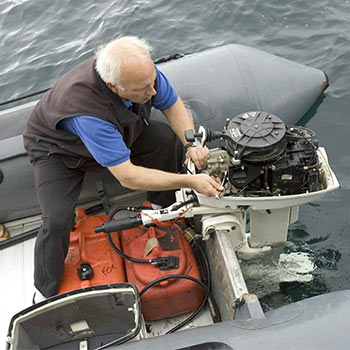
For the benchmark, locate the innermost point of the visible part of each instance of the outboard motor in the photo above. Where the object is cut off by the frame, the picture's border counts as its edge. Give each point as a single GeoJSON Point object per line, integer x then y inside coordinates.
{"type": "Point", "coordinates": [268, 158]}
{"type": "Point", "coordinates": [261, 156]}
{"type": "Point", "coordinates": [268, 169]}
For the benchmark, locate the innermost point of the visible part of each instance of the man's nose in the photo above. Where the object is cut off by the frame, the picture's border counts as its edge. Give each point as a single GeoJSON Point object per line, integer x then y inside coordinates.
{"type": "Point", "coordinates": [152, 90]}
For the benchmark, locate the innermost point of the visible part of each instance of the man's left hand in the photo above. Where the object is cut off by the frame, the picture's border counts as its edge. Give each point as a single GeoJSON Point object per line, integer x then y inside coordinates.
{"type": "Point", "coordinates": [199, 156]}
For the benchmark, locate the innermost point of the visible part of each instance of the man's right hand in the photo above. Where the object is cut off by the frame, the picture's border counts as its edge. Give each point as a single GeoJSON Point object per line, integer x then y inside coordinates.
{"type": "Point", "coordinates": [199, 156]}
{"type": "Point", "coordinates": [207, 185]}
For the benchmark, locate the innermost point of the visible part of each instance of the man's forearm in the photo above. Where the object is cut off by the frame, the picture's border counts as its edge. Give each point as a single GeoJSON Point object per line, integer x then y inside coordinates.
{"type": "Point", "coordinates": [140, 178]}
{"type": "Point", "coordinates": [179, 119]}
{"type": "Point", "coordinates": [148, 179]}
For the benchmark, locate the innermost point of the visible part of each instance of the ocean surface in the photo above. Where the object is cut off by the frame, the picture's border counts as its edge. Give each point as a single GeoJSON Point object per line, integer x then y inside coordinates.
{"type": "Point", "coordinates": [42, 39]}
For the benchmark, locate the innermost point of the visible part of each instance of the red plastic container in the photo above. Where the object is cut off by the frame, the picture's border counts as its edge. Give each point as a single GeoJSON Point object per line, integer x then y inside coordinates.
{"type": "Point", "coordinates": [87, 247]}
{"type": "Point", "coordinates": [171, 297]}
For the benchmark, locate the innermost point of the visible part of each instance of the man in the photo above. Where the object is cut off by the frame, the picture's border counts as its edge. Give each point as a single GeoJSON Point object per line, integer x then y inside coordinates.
{"type": "Point", "coordinates": [97, 115]}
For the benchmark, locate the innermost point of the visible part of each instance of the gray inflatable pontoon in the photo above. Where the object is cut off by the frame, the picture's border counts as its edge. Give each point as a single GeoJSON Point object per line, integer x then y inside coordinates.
{"type": "Point", "coordinates": [215, 84]}
{"type": "Point", "coordinates": [302, 325]}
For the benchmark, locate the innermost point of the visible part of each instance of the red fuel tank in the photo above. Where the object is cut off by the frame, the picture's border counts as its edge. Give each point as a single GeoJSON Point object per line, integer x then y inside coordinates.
{"type": "Point", "coordinates": [91, 256]}
{"type": "Point", "coordinates": [171, 297]}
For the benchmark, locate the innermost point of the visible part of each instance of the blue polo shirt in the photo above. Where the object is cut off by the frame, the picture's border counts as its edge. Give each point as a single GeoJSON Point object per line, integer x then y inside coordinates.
{"type": "Point", "coordinates": [102, 139]}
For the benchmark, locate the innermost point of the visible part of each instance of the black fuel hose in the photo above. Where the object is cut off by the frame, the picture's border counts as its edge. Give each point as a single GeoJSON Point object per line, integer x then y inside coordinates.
{"type": "Point", "coordinates": [124, 222]}
{"type": "Point", "coordinates": [205, 264]}
{"type": "Point", "coordinates": [118, 341]}
{"type": "Point", "coordinates": [123, 255]}
{"type": "Point", "coordinates": [168, 277]}
{"type": "Point", "coordinates": [206, 297]}
{"type": "Point", "coordinates": [190, 278]}
{"type": "Point", "coordinates": [190, 201]}
{"type": "Point", "coordinates": [168, 262]}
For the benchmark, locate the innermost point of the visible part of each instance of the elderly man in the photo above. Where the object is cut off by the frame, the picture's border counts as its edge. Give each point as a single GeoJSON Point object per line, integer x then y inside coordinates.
{"type": "Point", "coordinates": [97, 115]}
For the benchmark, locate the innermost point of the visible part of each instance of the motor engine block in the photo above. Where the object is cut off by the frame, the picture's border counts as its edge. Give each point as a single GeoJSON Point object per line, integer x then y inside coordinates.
{"type": "Point", "coordinates": [261, 156]}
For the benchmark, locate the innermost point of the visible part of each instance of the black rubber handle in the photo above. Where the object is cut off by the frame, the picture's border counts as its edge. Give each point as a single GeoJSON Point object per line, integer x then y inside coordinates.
{"type": "Point", "coordinates": [119, 225]}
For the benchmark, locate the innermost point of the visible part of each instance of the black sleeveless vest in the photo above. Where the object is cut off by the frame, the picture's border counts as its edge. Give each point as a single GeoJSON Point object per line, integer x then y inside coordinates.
{"type": "Point", "coordinates": [81, 91]}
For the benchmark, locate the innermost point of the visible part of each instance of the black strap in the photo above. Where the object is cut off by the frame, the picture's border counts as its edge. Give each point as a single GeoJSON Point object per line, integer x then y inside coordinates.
{"type": "Point", "coordinates": [187, 146]}
{"type": "Point", "coordinates": [103, 195]}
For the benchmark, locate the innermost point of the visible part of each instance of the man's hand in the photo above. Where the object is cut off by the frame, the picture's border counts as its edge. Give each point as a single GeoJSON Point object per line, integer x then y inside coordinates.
{"type": "Point", "coordinates": [199, 156]}
{"type": "Point", "coordinates": [207, 185]}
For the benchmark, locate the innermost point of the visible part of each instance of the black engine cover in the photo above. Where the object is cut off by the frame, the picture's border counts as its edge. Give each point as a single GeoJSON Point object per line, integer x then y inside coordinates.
{"type": "Point", "coordinates": [296, 171]}
{"type": "Point", "coordinates": [271, 158]}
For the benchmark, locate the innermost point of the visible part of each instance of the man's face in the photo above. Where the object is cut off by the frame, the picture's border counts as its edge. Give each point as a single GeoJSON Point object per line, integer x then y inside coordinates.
{"type": "Point", "coordinates": [137, 83]}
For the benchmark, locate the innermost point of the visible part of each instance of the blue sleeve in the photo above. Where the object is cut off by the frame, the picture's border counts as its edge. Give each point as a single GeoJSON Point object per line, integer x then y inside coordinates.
{"type": "Point", "coordinates": [166, 94]}
{"type": "Point", "coordinates": [101, 138]}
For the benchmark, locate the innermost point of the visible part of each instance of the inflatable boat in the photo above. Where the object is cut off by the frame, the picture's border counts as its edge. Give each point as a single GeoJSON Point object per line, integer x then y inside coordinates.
{"type": "Point", "coordinates": [215, 85]}
{"type": "Point", "coordinates": [139, 278]}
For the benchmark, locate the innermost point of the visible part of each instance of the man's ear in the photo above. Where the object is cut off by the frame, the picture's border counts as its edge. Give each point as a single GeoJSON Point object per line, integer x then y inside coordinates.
{"type": "Point", "coordinates": [112, 88]}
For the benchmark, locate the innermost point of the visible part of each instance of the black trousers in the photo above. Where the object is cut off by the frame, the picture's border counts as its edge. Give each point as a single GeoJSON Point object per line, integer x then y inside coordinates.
{"type": "Point", "coordinates": [58, 185]}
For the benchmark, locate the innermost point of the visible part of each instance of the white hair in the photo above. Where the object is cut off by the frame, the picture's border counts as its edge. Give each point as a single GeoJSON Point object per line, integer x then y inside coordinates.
{"type": "Point", "coordinates": [109, 61]}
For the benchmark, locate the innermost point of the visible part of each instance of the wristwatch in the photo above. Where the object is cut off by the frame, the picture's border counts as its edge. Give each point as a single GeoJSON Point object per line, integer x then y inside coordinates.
{"type": "Point", "coordinates": [187, 146]}
{"type": "Point", "coordinates": [191, 144]}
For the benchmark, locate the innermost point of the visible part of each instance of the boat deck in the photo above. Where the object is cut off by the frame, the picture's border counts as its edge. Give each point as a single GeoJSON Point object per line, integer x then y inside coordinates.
{"type": "Point", "coordinates": [16, 287]}
{"type": "Point", "coordinates": [17, 268]}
